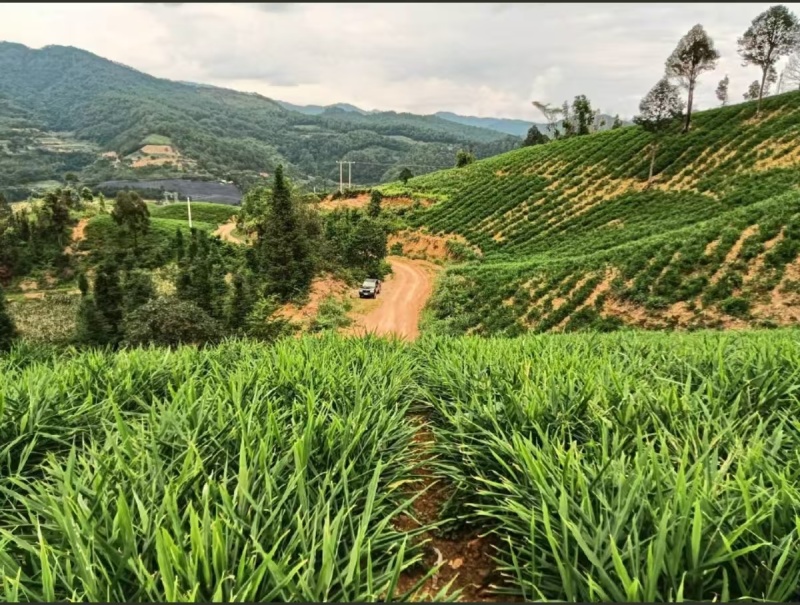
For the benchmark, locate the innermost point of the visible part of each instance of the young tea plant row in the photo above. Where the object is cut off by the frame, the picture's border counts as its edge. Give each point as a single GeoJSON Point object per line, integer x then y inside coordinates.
{"type": "Point", "coordinates": [739, 268]}
{"type": "Point", "coordinates": [656, 255]}
{"type": "Point", "coordinates": [558, 197]}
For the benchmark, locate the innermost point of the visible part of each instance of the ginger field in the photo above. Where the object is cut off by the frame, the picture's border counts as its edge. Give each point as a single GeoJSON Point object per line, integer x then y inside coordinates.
{"type": "Point", "coordinates": [618, 467]}
{"type": "Point", "coordinates": [573, 236]}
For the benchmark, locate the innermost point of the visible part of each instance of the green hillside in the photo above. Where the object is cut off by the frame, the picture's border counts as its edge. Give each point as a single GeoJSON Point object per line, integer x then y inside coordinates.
{"type": "Point", "coordinates": [219, 132]}
{"type": "Point", "coordinates": [213, 214]}
{"type": "Point", "coordinates": [573, 237]}
{"type": "Point", "coordinates": [31, 155]}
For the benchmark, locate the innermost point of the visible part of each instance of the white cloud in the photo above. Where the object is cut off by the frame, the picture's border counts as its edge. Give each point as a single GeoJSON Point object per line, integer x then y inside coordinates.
{"type": "Point", "coordinates": [544, 85]}
{"type": "Point", "coordinates": [477, 59]}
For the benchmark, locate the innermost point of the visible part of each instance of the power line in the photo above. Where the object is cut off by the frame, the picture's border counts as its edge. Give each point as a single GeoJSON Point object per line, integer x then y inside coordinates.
{"type": "Point", "coordinates": [440, 167]}
{"type": "Point", "coordinates": [350, 166]}
{"type": "Point", "coordinates": [349, 181]}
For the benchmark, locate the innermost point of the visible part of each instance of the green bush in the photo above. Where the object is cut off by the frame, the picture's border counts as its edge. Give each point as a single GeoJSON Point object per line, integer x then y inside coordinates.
{"type": "Point", "coordinates": [735, 306]}
{"type": "Point", "coordinates": [167, 321]}
{"type": "Point", "coordinates": [8, 330]}
{"type": "Point", "coordinates": [264, 324]}
{"type": "Point", "coordinates": [331, 314]}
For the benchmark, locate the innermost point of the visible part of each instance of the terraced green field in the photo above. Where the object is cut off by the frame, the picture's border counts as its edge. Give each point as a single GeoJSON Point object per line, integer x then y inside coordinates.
{"type": "Point", "coordinates": [102, 232]}
{"type": "Point", "coordinates": [573, 236]}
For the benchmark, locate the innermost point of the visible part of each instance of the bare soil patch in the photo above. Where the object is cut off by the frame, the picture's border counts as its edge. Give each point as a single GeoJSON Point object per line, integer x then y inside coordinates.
{"type": "Point", "coordinates": [466, 559]}
{"type": "Point", "coordinates": [362, 201]}
{"type": "Point", "coordinates": [321, 288]}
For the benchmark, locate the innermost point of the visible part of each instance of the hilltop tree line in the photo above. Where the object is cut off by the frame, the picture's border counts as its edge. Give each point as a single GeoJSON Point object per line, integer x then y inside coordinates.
{"type": "Point", "coordinates": [771, 36]}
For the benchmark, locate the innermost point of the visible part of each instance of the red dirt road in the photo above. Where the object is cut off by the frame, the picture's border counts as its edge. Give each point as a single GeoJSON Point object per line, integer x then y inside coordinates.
{"type": "Point", "coordinates": [397, 308]}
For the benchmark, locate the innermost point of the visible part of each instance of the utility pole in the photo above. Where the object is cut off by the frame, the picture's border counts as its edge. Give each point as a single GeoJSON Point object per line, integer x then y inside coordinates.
{"type": "Point", "coordinates": [349, 183]}
{"type": "Point", "coordinates": [340, 162]}
{"type": "Point", "coordinates": [189, 208]}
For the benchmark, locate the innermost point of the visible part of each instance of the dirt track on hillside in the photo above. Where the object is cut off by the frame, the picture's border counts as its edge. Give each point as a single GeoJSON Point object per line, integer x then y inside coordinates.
{"type": "Point", "coordinates": [397, 308]}
{"type": "Point", "coordinates": [225, 232]}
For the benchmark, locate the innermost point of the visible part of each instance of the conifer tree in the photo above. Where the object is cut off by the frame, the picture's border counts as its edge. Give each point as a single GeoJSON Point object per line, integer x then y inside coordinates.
{"type": "Point", "coordinates": [240, 304]}
{"type": "Point", "coordinates": [8, 330]}
{"type": "Point", "coordinates": [91, 327]}
{"type": "Point", "coordinates": [179, 250]}
{"type": "Point", "coordinates": [284, 249]}
{"type": "Point", "coordinates": [108, 299]}
{"type": "Point", "coordinates": [374, 208]}
{"type": "Point", "coordinates": [138, 288]}
{"type": "Point", "coordinates": [83, 284]}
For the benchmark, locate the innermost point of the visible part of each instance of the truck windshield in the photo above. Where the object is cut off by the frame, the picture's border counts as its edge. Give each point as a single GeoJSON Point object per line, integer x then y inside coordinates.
{"type": "Point", "coordinates": [370, 283]}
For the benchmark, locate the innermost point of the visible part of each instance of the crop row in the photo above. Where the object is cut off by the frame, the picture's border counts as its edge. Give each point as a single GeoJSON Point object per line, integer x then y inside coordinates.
{"type": "Point", "coordinates": [624, 467]}
{"type": "Point", "coordinates": [545, 197]}
{"type": "Point", "coordinates": [718, 268]}
{"type": "Point", "coordinates": [239, 473]}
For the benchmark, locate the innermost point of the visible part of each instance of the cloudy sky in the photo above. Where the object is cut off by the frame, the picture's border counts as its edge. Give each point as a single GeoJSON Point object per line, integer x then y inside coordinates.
{"type": "Point", "coordinates": [474, 59]}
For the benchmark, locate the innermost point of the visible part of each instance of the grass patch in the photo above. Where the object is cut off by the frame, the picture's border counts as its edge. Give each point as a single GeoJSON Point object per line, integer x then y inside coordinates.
{"type": "Point", "coordinates": [202, 212]}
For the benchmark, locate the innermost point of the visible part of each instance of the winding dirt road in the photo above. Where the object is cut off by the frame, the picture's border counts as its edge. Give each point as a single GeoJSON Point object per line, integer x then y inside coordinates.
{"type": "Point", "coordinates": [225, 232]}
{"type": "Point", "coordinates": [397, 308]}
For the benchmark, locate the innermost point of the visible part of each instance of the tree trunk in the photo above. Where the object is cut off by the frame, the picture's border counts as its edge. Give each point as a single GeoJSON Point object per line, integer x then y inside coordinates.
{"type": "Point", "coordinates": [689, 108]}
{"type": "Point", "coordinates": [653, 150]}
{"type": "Point", "coordinates": [761, 90]}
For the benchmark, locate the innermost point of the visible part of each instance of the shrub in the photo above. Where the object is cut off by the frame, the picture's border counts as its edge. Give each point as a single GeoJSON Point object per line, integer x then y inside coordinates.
{"type": "Point", "coordinates": [170, 322]}
{"type": "Point", "coordinates": [331, 314]}
{"type": "Point", "coordinates": [735, 306]}
{"type": "Point", "coordinates": [459, 251]}
{"type": "Point", "coordinates": [264, 324]}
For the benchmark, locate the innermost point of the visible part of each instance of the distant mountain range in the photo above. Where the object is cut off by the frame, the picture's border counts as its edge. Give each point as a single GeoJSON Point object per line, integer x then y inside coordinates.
{"type": "Point", "coordinates": [509, 126]}
{"type": "Point", "coordinates": [63, 109]}
{"type": "Point", "coordinates": [315, 110]}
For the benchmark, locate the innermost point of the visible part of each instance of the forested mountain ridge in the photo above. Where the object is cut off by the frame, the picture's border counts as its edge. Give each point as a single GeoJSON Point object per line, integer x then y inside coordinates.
{"type": "Point", "coordinates": [222, 133]}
